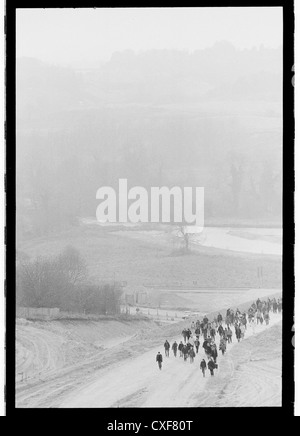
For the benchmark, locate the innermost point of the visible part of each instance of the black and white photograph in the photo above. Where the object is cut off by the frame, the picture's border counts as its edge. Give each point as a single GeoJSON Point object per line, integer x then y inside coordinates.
{"type": "Point", "coordinates": [150, 269]}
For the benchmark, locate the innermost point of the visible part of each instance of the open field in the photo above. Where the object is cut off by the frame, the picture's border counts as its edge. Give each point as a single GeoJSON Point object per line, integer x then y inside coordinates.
{"type": "Point", "coordinates": [153, 258]}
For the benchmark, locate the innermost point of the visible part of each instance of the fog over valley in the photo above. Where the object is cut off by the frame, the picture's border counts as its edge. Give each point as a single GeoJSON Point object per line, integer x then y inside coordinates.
{"type": "Point", "coordinates": [209, 118]}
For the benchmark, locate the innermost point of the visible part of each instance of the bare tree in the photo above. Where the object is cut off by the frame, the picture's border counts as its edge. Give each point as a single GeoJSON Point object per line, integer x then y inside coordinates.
{"type": "Point", "coordinates": [71, 263]}
{"type": "Point", "coordinates": [183, 233]}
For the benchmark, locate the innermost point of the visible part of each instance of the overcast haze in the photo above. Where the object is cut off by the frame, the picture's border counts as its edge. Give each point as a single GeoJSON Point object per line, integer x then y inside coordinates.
{"type": "Point", "coordinates": [186, 98]}
{"type": "Point", "coordinates": [76, 36]}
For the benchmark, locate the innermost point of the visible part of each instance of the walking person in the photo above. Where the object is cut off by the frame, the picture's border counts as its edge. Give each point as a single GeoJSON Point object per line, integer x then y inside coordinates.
{"type": "Point", "coordinates": [214, 352]}
{"type": "Point", "coordinates": [167, 348]}
{"type": "Point", "coordinates": [229, 335]}
{"type": "Point", "coordinates": [205, 345]}
{"type": "Point", "coordinates": [222, 346]}
{"type": "Point", "coordinates": [238, 332]}
{"type": "Point", "coordinates": [180, 347]}
{"type": "Point", "coordinates": [211, 366]}
{"type": "Point", "coordinates": [219, 318]}
{"type": "Point", "coordinates": [192, 354]}
{"type": "Point", "coordinates": [188, 334]}
{"type": "Point", "coordinates": [159, 360]}
{"type": "Point", "coordinates": [208, 348]}
{"type": "Point", "coordinates": [185, 351]}
{"type": "Point", "coordinates": [188, 346]}
{"type": "Point", "coordinates": [174, 348]}
{"type": "Point", "coordinates": [203, 366]}
{"type": "Point", "coordinates": [220, 330]}
{"type": "Point", "coordinates": [197, 344]}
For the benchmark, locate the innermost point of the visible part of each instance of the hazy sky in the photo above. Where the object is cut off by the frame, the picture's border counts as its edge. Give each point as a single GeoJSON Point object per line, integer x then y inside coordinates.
{"type": "Point", "coordinates": [68, 36]}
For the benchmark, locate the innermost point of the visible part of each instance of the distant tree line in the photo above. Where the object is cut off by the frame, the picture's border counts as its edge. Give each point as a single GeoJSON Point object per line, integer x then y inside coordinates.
{"type": "Point", "coordinates": [62, 281]}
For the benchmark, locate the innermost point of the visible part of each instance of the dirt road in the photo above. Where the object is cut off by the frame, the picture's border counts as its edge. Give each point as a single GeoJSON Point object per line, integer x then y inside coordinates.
{"type": "Point", "coordinates": [138, 382]}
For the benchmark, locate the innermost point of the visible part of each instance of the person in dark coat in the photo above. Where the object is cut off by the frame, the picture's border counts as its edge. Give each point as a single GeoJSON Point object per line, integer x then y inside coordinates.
{"type": "Point", "coordinates": [188, 334]}
{"type": "Point", "coordinates": [238, 332]}
{"type": "Point", "coordinates": [222, 345]}
{"type": "Point", "coordinates": [202, 326]}
{"type": "Point", "coordinates": [192, 354]}
{"type": "Point", "coordinates": [208, 349]}
{"type": "Point", "coordinates": [219, 318]}
{"type": "Point", "coordinates": [174, 348]}
{"type": "Point", "coordinates": [184, 334]}
{"type": "Point", "coordinates": [180, 347]}
{"type": "Point", "coordinates": [167, 348]}
{"type": "Point", "coordinates": [205, 343]}
{"type": "Point", "coordinates": [203, 366]}
{"type": "Point", "coordinates": [214, 352]}
{"type": "Point", "coordinates": [197, 344]}
{"type": "Point", "coordinates": [220, 330]}
{"type": "Point", "coordinates": [185, 352]}
{"type": "Point", "coordinates": [159, 360]}
{"type": "Point", "coordinates": [211, 366]}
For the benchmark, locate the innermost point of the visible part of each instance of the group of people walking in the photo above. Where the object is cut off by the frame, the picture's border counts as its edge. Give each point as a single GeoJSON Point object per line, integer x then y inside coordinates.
{"type": "Point", "coordinates": [222, 327]}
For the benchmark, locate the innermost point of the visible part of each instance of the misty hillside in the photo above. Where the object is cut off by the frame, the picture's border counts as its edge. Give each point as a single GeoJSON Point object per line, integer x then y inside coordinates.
{"type": "Point", "coordinates": [209, 118]}
{"type": "Point", "coordinates": [151, 77]}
